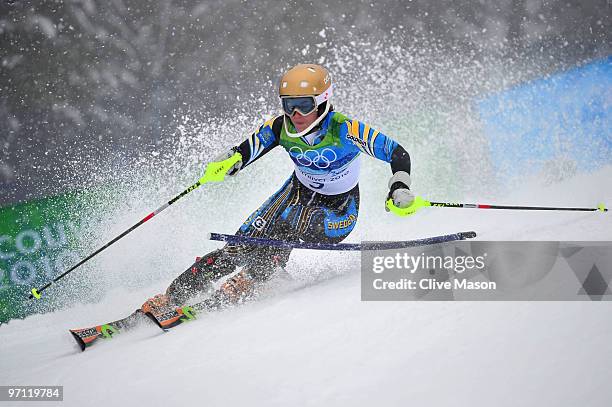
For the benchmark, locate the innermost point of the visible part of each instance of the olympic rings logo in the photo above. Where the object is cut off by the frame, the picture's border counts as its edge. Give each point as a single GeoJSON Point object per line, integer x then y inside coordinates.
{"type": "Point", "coordinates": [307, 158]}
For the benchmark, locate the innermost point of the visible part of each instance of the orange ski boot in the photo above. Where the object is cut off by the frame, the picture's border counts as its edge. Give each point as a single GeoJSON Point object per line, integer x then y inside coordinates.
{"type": "Point", "coordinates": [237, 288]}
{"type": "Point", "coordinates": [157, 305]}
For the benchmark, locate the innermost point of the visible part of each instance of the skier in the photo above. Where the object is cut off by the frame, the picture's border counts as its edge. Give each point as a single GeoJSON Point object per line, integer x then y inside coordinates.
{"type": "Point", "coordinates": [318, 203]}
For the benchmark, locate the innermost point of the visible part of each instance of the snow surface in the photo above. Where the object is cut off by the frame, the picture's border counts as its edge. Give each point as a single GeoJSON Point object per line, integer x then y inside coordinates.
{"type": "Point", "coordinates": [320, 345]}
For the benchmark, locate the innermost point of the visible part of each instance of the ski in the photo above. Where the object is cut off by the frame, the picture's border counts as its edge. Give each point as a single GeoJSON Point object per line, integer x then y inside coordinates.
{"type": "Point", "coordinates": [399, 244]}
{"type": "Point", "coordinates": [170, 318]}
{"type": "Point", "coordinates": [86, 337]}
{"type": "Point", "coordinates": [176, 316]}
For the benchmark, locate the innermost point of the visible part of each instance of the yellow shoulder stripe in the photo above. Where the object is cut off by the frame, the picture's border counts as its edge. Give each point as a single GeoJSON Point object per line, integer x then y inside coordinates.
{"type": "Point", "coordinates": [355, 129]}
{"type": "Point", "coordinates": [354, 137]}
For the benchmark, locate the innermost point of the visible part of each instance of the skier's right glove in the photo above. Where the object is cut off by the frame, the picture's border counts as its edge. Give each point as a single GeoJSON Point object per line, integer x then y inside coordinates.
{"type": "Point", "coordinates": [227, 163]}
{"type": "Point", "coordinates": [233, 170]}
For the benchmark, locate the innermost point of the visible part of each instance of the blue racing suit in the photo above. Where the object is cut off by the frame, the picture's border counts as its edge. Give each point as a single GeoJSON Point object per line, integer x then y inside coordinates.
{"type": "Point", "coordinates": [318, 203]}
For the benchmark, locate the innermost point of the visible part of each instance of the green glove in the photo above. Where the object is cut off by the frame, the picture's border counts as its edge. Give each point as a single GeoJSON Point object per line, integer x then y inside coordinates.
{"type": "Point", "coordinates": [228, 163]}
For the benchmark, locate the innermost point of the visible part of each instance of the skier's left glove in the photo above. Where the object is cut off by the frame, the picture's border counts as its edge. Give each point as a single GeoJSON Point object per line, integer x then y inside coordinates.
{"type": "Point", "coordinates": [400, 199]}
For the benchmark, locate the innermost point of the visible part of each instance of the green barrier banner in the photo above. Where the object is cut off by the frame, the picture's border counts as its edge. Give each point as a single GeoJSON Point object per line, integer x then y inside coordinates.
{"type": "Point", "coordinates": [36, 244]}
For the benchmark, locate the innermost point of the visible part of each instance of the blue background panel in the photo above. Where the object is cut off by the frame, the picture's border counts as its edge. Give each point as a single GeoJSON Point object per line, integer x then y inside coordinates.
{"type": "Point", "coordinates": [563, 116]}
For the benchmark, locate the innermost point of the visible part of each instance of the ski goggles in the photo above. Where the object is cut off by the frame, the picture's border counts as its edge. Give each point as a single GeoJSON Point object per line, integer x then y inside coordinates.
{"type": "Point", "coordinates": [304, 104]}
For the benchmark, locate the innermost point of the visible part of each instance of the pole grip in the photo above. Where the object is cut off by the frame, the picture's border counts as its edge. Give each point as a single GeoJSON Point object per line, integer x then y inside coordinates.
{"type": "Point", "coordinates": [216, 170]}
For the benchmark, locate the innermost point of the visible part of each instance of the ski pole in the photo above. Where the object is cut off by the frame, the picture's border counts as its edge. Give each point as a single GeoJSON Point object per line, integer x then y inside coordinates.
{"type": "Point", "coordinates": [421, 203]}
{"type": "Point", "coordinates": [215, 172]}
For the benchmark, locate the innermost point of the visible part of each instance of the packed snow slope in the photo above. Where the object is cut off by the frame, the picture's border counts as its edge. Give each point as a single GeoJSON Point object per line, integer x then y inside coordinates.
{"type": "Point", "coordinates": [319, 345]}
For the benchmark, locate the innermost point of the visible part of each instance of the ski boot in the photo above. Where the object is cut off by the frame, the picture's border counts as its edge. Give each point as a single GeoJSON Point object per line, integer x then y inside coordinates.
{"type": "Point", "coordinates": [157, 305]}
{"type": "Point", "coordinates": [236, 289]}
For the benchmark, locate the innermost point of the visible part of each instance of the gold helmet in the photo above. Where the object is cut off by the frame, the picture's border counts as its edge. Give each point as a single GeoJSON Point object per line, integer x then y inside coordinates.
{"type": "Point", "coordinates": [305, 80]}
{"type": "Point", "coordinates": [304, 88]}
